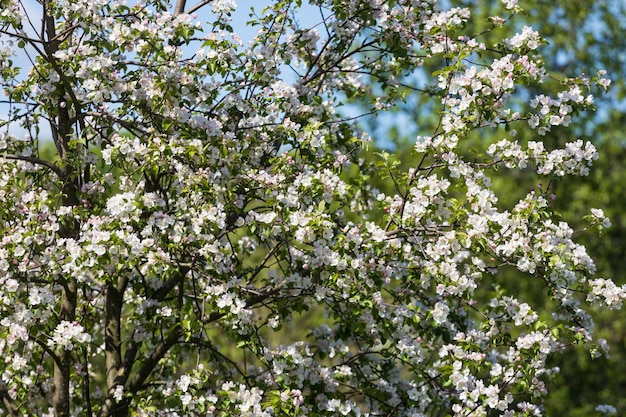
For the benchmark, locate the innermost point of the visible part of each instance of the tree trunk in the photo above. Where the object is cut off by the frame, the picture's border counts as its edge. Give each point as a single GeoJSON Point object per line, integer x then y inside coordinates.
{"type": "Point", "coordinates": [116, 368]}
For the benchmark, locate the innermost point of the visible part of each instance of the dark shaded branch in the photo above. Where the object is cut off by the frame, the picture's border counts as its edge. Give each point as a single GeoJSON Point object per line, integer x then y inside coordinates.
{"type": "Point", "coordinates": [9, 404]}
{"type": "Point", "coordinates": [62, 369]}
{"type": "Point", "coordinates": [116, 374]}
{"type": "Point", "coordinates": [159, 352]}
{"type": "Point", "coordinates": [206, 345]}
{"type": "Point", "coordinates": [21, 37]}
{"type": "Point", "coordinates": [86, 385]}
{"type": "Point", "coordinates": [35, 161]}
{"type": "Point", "coordinates": [49, 351]}
{"type": "Point", "coordinates": [117, 367]}
{"type": "Point", "coordinates": [167, 287]}
{"type": "Point", "coordinates": [111, 407]}
{"type": "Point", "coordinates": [132, 128]}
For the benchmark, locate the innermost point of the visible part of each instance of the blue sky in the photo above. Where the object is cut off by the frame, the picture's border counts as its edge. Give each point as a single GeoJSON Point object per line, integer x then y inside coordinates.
{"type": "Point", "coordinates": [308, 16]}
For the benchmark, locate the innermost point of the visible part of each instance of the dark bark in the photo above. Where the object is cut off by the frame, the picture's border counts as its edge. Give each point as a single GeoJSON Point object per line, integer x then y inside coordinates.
{"type": "Point", "coordinates": [61, 394]}
{"type": "Point", "coordinates": [117, 369]}
{"type": "Point", "coordinates": [157, 354]}
{"type": "Point", "coordinates": [118, 362]}
{"type": "Point", "coordinates": [62, 134]}
{"type": "Point", "coordinates": [9, 404]}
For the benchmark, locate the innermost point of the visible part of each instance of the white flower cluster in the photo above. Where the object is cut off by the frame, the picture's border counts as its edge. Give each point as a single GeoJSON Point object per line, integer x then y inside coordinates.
{"type": "Point", "coordinates": [605, 292]}
{"type": "Point", "coordinates": [557, 111]}
{"type": "Point", "coordinates": [66, 334]}
{"type": "Point", "coordinates": [575, 159]}
{"type": "Point", "coordinates": [222, 6]}
{"type": "Point", "coordinates": [598, 217]}
{"type": "Point", "coordinates": [526, 38]}
{"type": "Point", "coordinates": [510, 4]}
{"type": "Point", "coordinates": [471, 91]}
{"type": "Point", "coordinates": [440, 313]}
{"type": "Point", "coordinates": [453, 17]}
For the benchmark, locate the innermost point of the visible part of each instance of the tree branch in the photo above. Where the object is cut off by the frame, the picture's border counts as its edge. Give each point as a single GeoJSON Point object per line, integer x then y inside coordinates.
{"type": "Point", "coordinates": [35, 161]}
{"type": "Point", "coordinates": [9, 403]}
{"type": "Point", "coordinates": [159, 352]}
{"type": "Point", "coordinates": [86, 385]}
{"type": "Point", "coordinates": [116, 372]}
{"type": "Point", "coordinates": [62, 369]}
{"type": "Point", "coordinates": [198, 6]}
{"type": "Point", "coordinates": [180, 7]}
{"type": "Point", "coordinates": [49, 351]}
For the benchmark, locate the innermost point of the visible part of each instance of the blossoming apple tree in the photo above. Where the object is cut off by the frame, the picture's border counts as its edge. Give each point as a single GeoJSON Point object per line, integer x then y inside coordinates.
{"type": "Point", "coordinates": [207, 196]}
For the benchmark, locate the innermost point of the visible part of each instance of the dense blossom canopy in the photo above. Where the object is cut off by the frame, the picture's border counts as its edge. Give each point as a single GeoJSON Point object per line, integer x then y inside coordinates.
{"type": "Point", "coordinates": [208, 197]}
